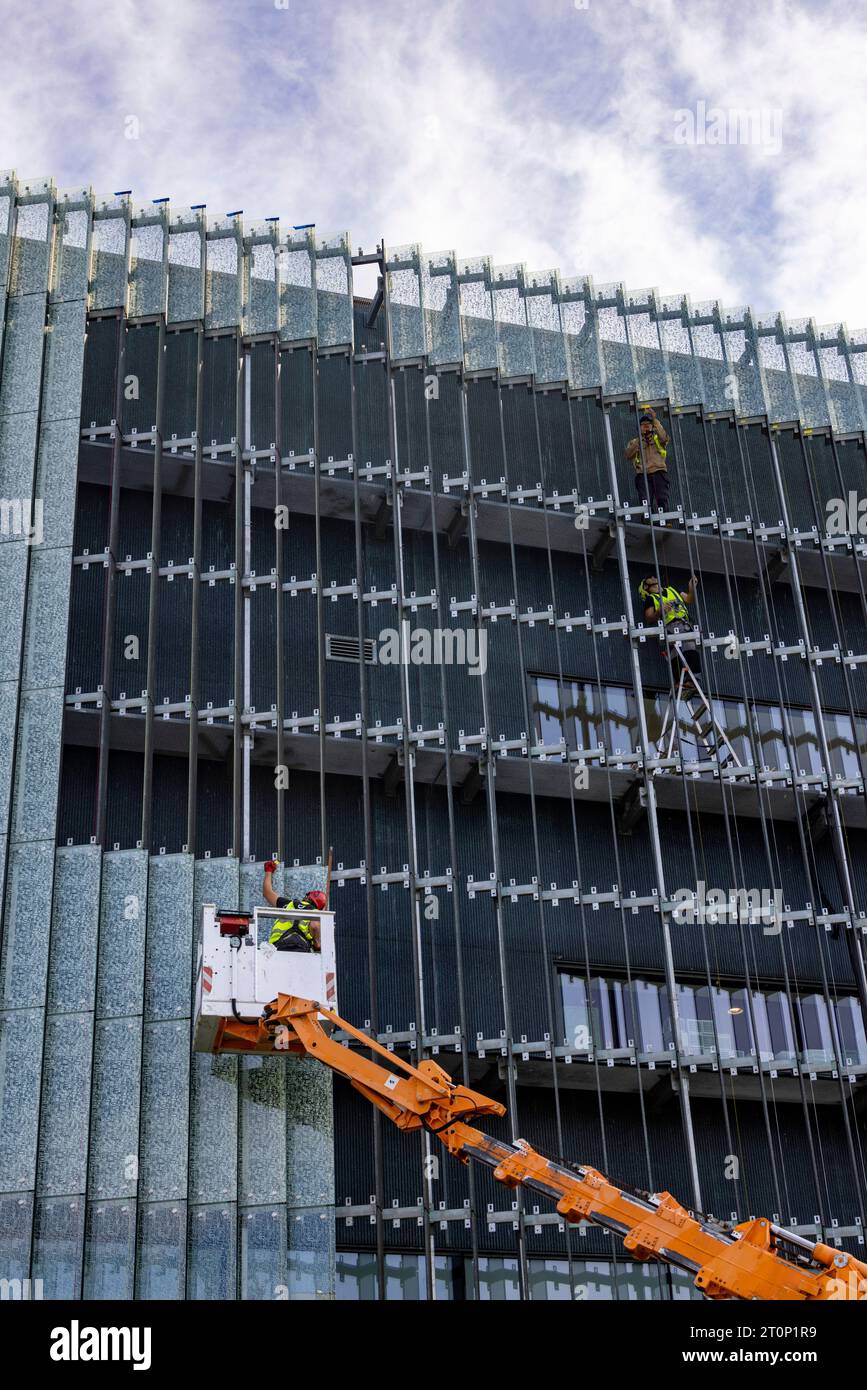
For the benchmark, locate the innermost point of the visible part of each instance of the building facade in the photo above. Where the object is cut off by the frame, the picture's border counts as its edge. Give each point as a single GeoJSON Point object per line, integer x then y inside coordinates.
{"type": "Point", "coordinates": [288, 569]}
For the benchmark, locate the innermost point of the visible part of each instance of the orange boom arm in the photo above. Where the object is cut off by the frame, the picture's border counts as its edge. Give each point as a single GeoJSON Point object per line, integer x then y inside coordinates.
{"type": "Point", "coordinates": [755, 1260]}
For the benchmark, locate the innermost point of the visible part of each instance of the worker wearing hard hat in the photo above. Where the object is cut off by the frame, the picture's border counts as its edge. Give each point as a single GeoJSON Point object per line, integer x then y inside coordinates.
{"type": "Point", "coordinates": [295, 933]}
{"type": "Point", "coordinates": [648, 453]}
{"type": "Point", "coordinates": [671, 605]}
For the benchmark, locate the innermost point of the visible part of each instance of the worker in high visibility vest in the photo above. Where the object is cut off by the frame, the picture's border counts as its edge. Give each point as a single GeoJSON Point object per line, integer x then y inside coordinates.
{"type": "Point", "coordinates": [672, 606]}
{"type": "Point", "coordinates": [648, 454]}
{"type": "Point", "coordinates": [295, 933]}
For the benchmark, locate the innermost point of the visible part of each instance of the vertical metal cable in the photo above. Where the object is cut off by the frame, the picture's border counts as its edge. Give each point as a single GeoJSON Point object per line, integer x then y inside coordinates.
{"type": "Point", "coordinates": [410, 811]}
{"type": "Point", "coordinates": [369, 894]}
{"type": "Point", "coordinates": [453, 850]}
{"type": "Point", "coordinates": [320, 609]}
{"type": "Point", "coordinates": [153, 595]}
{"type": "Point", "coordinates": [196, 604]}
{"type": "Point", "coordinates": [110, 592]}
{"type": "Point", "coordinates": [489, 765]}
{"type": "Point", "coordinates": [655, 839]}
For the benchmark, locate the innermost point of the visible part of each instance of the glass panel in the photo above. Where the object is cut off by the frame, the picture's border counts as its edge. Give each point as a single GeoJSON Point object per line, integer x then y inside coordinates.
{"type": "Point", "coordinates": [65, 1105]}
{"type": "Point", "coordinates": [311, 1260]}
{"type": "Point", "coordinates": [21, 521]}
{"type": "Point", "coordinates": [109, 272]}
{"type": "Point", "coordinates": [162, 1251]}
{"type": "Point", "coordinates": [441, 307]}
{"type": "Point", "coordinates": [213, 1127]}
{"type": "Point", "coordinates": [644, 1008]}
{"type": "Point", "coordinates": [56, 479]}
{"type": "Point", "coordinates": [684, 369]}
{"type": "Point", "coordinates": [404, 1276]}
{"type": "Point", "coordinates": [58, 1246]}
{"type": "Point", "coordinates": [334, 291]}
{"type": "Point", "coordinates": [619, 367]}
{"type": "Point", "coordinates": [109, 1265]}
{"type": "Point", "coordinates": [732, 715]}
{"type": "Point", "coordinates": [780, 1027]}
{"type": "Point", "coordinates": [546, 709]}
{"type": "Point", "coordinates": [47, 610]}
{"type": "Point", "coordinates": [20, 1066]}
{"type": "Point", "coordinates": [147, 294]}
{"type": "Point", "coordinates": [514, 338]}
{"type": "Point", "coordinates": [704, 1022]}
{"type": "Point", "coordinates": [295, 262]}
{"type": "Point", "coordinates": [817, 1044]}
{"type": "Point", "coordinates": [853, 1039]}
{"type": "Point", "coordinates": [114, 1132]}
{"type": "Point", "coordinates": [477, 315]}
{"type": "Point", "coordinates": [583, 353]}
{"type": "Point", "coordinates": [621, 723]}
{"type": "Point", "coordinates": [64, 361]}
{"type": "Point", "coordinates": [808, 757]}
{"type": "Point", "coordinates": [262, 1168]}
{"type": "Point", "coordinates": [782, 403]}
{"type": "Point", "coordinates": [27, 916]}
{"type": "Point", "coordinates": [123, 915]}
{"type": "Point", "coordinates": [13, 578]}
{"type": "Point", "coordinates": [75, 928]}
{"type": "Point", "coordinates": [600, 1008]}
{"type": "Point", "coordinates": [40, 721]}
{"type": "Point", "coordinates": [691, 1034]}
{"type": "Point", "coordinates": [31, 248]}
{"type": "Point", "coordinates": [406, 321]}
{"type": "Point", "coordinates": [309, 1134]}
{"type": "Point", "coordinates": [741, 1024]}
{"type": "Point", "coordinates": [841, 745]}
{"type": "Point", "coordinates": [263, 1252]}
{"type": "Point", "coordinates": [23, 342]}
{"type": "Point", "coordinates": [584, 725]}
{"type": "Point", "coordinates": [222, 281]}
{"type": "Point", "coordinates": [165, 1101]}
{"type": "Point", "coordinates": [498, 1279]}
{"type": "Point", "coordinates": [576, 1014]}
{"type": "Point", "coordinates": [211, 1255]}
{"type": "Point", "coordinates": [16, 1223]}
{"type": "Point", "coordinates": [169, 936]}
{"type": "Point", "coordinates": [769, 736]}
{"type": "Point", "coordinates": [186, 277]}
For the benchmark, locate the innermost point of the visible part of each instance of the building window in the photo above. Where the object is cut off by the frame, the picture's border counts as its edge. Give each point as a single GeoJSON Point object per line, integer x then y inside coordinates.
{"type": "Point", "coordinates": [586, 717]}
{"type": "Point", "coordinates": [714, 1022]}
{"type": "Point", "coordinates": [549, 1279]}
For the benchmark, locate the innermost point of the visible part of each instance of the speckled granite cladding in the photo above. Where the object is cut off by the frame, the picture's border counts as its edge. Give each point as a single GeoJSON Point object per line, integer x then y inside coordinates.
{"type": "Point", "coordinates": [40, 395]}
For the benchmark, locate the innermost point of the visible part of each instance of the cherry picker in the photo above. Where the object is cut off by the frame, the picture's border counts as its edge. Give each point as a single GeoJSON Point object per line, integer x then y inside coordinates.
{"type": "Point", "coordinates": [248, 1005]}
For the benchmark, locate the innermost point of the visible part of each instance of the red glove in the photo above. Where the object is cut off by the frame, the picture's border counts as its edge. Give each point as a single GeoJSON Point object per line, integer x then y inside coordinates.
{"type": "Point", "coordinates": [271, 866]}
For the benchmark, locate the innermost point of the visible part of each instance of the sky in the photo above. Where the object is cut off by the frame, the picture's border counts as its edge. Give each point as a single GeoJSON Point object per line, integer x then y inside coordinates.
{"type": "Point", "coordinates": [717, 149]}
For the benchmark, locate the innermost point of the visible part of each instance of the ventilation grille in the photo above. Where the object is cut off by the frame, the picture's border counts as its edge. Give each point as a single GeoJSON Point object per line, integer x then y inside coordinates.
{"type": "Point", "coordinates": [346, 649]}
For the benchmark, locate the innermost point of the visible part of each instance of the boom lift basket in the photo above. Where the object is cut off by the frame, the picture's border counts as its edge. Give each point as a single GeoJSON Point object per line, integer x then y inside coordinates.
{"type": "Point", "coordinates": [238, 974]}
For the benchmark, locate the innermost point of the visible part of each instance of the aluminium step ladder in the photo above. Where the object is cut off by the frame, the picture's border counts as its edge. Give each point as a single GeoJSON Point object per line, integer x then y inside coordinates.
{"type": "Point", "coordinates": [709, 732]}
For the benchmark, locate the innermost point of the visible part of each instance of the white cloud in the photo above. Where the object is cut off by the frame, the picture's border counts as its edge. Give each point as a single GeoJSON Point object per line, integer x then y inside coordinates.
{"type": "Point", "coordinates": [540, 133]}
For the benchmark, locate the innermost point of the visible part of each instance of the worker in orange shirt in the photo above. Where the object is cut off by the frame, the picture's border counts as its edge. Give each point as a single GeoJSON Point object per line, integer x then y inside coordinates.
{"type": "Point", "coordinates": [648, 453]}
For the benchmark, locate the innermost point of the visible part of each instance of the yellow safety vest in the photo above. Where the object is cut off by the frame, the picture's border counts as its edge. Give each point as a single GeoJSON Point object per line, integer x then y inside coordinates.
{"type": "Point", "coordinates": [677, 612]}
{"type": "Point", "coordinates": [655, 437]}
{"type": "Point", "coordinates": [301, 925]}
